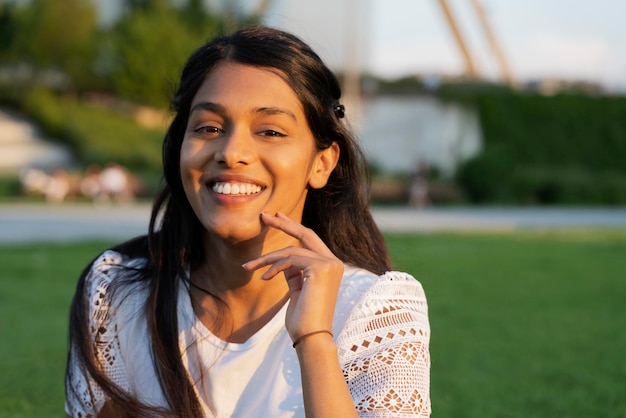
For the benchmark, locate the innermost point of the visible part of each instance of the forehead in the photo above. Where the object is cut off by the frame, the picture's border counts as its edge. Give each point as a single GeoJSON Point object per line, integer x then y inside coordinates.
{"type": "Point", "coordinates": [247, 86]}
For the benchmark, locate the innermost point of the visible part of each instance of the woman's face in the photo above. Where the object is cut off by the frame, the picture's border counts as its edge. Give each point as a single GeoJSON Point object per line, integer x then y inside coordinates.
{"type": "Point", "coordinates": [248, 149]}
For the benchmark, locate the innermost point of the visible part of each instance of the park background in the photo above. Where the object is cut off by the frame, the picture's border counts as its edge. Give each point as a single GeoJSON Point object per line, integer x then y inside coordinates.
{"type": "Point", "coordinates": [526, 322]}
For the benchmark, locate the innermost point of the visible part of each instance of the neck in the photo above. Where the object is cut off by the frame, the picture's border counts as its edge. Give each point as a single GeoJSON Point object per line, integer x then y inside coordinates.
{"type": "Point", "coordinates": [250, 301]}
{"type": "Point", "coordinates": [223, 259]}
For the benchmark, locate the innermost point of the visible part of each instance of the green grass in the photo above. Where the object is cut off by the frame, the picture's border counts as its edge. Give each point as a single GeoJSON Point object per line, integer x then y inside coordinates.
{"type": "Point", "coordinates": [36, 286]}
{"type": "Point", "coordinates": [523, 324]}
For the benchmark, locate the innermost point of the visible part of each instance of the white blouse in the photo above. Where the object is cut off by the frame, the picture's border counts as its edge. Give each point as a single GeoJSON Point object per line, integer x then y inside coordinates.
{"type": "Point", "coordinates": [381, 328]}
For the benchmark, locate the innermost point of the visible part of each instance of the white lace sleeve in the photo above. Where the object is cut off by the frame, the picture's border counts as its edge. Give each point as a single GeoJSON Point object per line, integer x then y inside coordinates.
{"type": "Point", "coordinates": [84, 397]}
{"type": "Point", "coordinates": [383, 349]}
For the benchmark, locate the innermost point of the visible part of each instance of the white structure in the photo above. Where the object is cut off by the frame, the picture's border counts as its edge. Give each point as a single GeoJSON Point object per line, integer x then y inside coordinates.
{"type": "Point", "coordinates": [21, 146]}
{"type": "Point", "coordinates": [397, 132]}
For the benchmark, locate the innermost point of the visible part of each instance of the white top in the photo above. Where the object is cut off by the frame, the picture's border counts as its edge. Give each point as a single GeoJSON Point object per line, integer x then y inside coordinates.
{"type": "Point", "coordinates": [381, 328]}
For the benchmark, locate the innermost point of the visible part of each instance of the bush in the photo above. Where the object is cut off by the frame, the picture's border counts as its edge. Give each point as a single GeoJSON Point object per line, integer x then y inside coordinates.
{"type": "Point", "coordinates": [95, 134]}
{"type": "Point", "coordinates": [9, 186]}
{"type": "Point", "coordinates": [485, 178]}
{"type": "Point", "coordinates": [546, 185]}
{"type": "Point", "coordinates": [566, 149]}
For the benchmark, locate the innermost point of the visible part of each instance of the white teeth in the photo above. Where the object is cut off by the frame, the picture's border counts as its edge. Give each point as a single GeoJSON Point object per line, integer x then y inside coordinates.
{"type": "Point", "coordinates": [236, 188]}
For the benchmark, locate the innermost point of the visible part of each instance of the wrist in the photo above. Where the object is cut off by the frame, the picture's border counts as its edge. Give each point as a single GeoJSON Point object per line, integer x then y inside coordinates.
{"type": "Point", "coordinates": [309, 335]}
{"type": "Point", "coordinates": [316, 346]}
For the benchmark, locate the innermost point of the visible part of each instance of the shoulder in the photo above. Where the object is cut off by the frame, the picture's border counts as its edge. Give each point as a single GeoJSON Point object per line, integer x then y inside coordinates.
{"type": "Point", "coordinates": [364, 294]}
{"type": "Point", "coordinates": [396, 285]}
{"type": "Point", "coordinates": [359, 282]}
{"type": "Point", "coordinates": [127, 257]}
{"type": "Point", "coordinates": [106, 308]}
{"type": "Point", "coordinates": [111, 272]}
{"type": "Point", "coordinates": [112, 266]}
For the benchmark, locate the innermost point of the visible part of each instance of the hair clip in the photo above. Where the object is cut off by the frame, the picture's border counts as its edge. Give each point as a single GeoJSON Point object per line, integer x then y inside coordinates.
{"type": "Point", "coordinates": [339, 110]}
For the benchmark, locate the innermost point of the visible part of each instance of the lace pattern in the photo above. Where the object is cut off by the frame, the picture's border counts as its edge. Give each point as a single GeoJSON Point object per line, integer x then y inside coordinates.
{"type": "Point", "coordinates": [383, 346]}
{"type": "Point", "coordinates": [85, 397]}
{"type": "Point", "coordinates": [384, 350]}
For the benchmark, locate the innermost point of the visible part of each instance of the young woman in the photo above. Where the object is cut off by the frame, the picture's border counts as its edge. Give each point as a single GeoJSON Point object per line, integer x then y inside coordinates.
{"type": "Point", "coordinates": [263, 288]}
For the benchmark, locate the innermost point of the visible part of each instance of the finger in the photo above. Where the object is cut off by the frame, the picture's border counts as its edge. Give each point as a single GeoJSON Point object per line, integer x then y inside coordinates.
{"type": "Point", "coordinates": [274, 256]}
{"type": "Point", "coordinates": [292, 262]}
{"type": "Point", "coordinates": [295, 280]}
{"type": "Point", "coordinates": [306, 236]}
{"type": "Point", "coordinates": [306, 265]}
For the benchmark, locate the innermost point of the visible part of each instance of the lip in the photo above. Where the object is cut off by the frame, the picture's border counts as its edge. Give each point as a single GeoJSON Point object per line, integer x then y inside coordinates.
{"type": "Point", "coordinates": [231, 178]}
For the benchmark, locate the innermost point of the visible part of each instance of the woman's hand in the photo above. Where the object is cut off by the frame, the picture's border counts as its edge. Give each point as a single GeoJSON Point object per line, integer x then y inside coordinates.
{"type": "Point", "coordinates": [313, 275]}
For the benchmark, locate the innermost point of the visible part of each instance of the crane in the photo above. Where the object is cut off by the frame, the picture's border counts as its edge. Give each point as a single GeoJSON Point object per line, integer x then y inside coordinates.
{"type": "Point", "coordinates": [470, 66]}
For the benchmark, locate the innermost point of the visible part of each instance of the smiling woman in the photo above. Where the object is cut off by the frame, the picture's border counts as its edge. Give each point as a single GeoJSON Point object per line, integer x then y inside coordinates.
{"type": "Point", "coordinates": [263, 287]}
{"type": "Point", "coordinates": [247, 130]}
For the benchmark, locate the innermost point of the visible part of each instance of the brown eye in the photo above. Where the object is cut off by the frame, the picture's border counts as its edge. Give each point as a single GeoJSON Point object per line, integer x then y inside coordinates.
{"type": "Point", "coordinates": [272, 133]}
{"type": "Point", "coordinates": [209, 130]}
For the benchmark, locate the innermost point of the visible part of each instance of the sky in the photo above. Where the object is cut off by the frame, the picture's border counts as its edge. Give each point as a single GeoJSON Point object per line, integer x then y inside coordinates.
{"type": "Point", "coordinates": [581, 40]}
{"type": "Point", "coordinates": [576, 40]}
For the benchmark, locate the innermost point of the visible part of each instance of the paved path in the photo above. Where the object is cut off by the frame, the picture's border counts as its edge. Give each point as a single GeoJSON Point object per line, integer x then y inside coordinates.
{"type": "Point", "coordinates": [24, 223]}
{"type": "Point", "coordinates": [51, 223]}
{"type": "Point", "coordinates": [498, 218]}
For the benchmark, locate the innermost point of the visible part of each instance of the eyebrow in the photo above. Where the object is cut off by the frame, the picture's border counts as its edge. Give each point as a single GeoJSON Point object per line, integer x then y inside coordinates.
{"type": "Point", "coordinates": [275, 111]}
{"type": "Point", "coordinates": [209, 107]}
{"type": "Point", "coordinates": [221, 110]}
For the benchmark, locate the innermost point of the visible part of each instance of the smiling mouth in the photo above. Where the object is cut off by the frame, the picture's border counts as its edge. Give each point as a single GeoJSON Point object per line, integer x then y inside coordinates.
{"type": "Point", "coordinates": [240, 189]}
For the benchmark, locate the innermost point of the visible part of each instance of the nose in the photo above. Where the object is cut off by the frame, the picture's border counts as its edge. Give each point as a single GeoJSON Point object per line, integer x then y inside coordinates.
{"type": "Point", "coordinates": [235, 148]}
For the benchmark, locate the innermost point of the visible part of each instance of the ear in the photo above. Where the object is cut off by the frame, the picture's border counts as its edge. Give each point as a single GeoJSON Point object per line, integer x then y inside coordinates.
{"type": "Point", "coordinates": [324, 164]}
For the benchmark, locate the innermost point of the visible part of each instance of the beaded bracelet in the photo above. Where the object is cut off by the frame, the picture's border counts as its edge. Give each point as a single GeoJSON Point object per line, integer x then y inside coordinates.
{"type": "Point", "coordinates": [302, 337]}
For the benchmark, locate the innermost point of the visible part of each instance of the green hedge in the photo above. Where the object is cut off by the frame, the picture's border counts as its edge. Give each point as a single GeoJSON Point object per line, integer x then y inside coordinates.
{"type": "Point", "coordinates": [564, 149]}
{"type": "Point", "coordinates": [97, 135]}
{"type": "Point", "coordinates": [94, 133]}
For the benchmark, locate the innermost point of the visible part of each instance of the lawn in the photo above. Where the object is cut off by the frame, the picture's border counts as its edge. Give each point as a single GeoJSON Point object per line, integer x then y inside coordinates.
{"type": "Point", "coordinates": [523, 324]}
{"type": "Point", "coordinates": [36, 286]}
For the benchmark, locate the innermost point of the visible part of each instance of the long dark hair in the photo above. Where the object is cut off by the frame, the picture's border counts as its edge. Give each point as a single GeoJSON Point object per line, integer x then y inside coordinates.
{"type": "Point", "coordinates": [338, 213]}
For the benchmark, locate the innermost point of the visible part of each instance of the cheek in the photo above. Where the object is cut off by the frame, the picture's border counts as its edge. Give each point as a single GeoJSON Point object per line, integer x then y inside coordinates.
{"type": "Point", "coordinates": [188, 153]}
{"type": "Point", "coordinates": [294, 172]}
{"type": "Point", "coordinates": [189, 167]}
{"type": "Point", "coordinates": [296, 163]}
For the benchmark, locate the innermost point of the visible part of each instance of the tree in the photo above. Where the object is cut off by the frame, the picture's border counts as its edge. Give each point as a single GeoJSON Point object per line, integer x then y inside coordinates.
{"type": "Point", "coordinates": [150, 47]}
{"type": "Point", "coordinates": [196, 16]}
{"type": "Point", "coordinates": [140, 6]}
{"type": "Point", "coordinates": [8, 30]}
{"type": "Point", "coordinates": [57, 35]}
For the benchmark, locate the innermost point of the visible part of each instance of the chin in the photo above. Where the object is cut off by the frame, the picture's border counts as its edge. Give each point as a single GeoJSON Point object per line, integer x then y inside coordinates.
{"type": "Point", "coordinates": [235, 233]}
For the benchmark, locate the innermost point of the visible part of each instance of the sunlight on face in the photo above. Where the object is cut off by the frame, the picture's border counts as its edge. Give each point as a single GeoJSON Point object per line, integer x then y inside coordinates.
{"type": "Point", "coordinates": [247, 149]}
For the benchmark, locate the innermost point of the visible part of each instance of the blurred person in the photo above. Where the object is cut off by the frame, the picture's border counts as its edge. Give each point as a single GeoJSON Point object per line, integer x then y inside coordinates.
{"type": "Point", "coordinates": [34, 180]}
{"type": "Point", "coordinates": [90, 186]}
{"type": "Point", "coordinates": [418, 185]}
{"type": "Point", "coordinates": [263, 287]}
{"type": "Point", "coordinates": [58, 186]}
{"type": "Point", "coordinates": [115, 183]}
